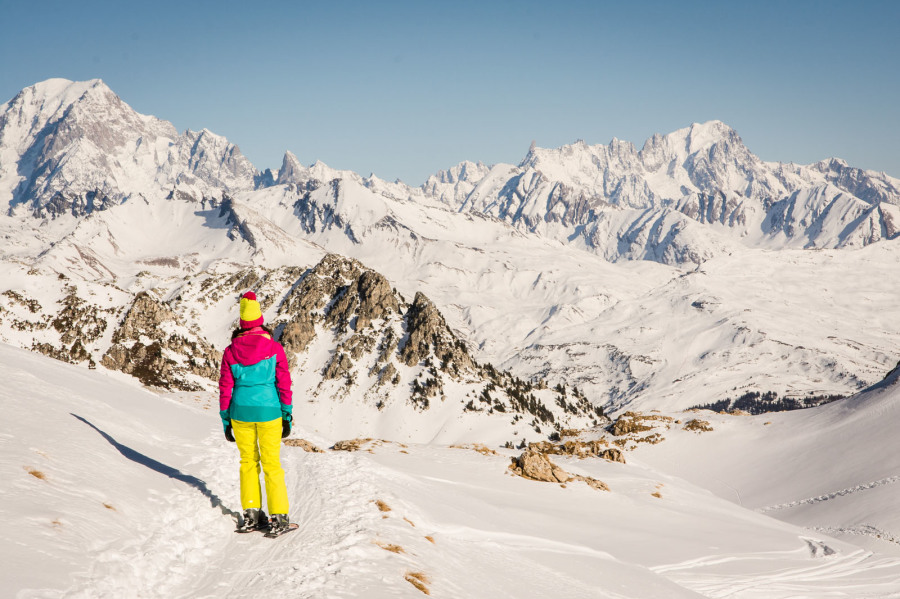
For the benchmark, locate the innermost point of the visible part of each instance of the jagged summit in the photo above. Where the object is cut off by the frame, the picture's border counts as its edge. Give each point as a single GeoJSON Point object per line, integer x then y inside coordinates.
{"type": "Point", "coordinates": [290, 171]}
{"type": "Point", "coordinates": [698, 136]}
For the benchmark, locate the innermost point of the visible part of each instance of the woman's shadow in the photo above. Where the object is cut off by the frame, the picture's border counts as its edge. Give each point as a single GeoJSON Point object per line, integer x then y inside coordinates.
{"type": "Point", "coordinates": [138, 457]}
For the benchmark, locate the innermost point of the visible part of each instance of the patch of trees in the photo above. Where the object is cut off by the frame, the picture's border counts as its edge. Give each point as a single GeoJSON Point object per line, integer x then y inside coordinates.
{"type": "Point", "coordinates": [754, 402]}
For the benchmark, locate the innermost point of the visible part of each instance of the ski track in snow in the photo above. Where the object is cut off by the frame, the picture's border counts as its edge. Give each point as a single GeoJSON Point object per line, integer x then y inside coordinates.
{"type": "Point", "coordinates": [188, 550]}
{"type": "Point", "coordinates": [866, 530]}
{"type": "Point", "coordinates": [835, 575]}
{"type": "Point", "coordinates": [828, 496]}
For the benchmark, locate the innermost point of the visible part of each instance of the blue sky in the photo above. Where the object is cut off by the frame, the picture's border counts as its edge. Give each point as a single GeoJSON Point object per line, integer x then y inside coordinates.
{"type": "Point", "coordinates": [403, 89]}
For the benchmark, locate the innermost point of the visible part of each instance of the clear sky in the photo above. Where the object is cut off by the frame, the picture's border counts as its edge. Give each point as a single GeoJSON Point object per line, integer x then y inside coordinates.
{"type": "Point", "coordinates": [404, 89]}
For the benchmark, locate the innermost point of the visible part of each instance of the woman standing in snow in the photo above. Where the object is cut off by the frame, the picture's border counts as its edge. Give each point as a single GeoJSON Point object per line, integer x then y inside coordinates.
{"type": "Point", "coordinates": [255, 406]}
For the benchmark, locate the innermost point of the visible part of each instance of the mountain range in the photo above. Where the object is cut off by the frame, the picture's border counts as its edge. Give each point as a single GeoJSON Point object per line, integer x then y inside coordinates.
{"type": "Point", "coordinates": [687, 272]}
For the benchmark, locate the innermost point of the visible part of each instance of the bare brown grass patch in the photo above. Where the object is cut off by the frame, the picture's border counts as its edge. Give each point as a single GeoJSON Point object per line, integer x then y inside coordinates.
{"type": "Point", "coordinates": [393, 548]}
{"type": "Point", "coordinates": [37, 474]}
{"type": "Point", "coordinates": [382, 506]}
{"type": "Point", "coordinates": [698, 426]}
{"type": "Point", "coordinates": [570, 432]}
{"type": "Point", "coordinates": [419, 580]}
{"type": "Point", "coordinates": [630, 423]}
{"type": "Point", "coordinates": [350, 444]}
{"type": "Point", "coordinates": [358, 444]}
{"type": "Point", "coordinates": [303, 444]}
{"type": "Point", "coordinates": [477, 447]}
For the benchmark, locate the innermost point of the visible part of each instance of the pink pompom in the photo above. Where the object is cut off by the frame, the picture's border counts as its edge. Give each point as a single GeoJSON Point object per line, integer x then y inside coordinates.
{"type": "Point", "coordinates": [250, 296]}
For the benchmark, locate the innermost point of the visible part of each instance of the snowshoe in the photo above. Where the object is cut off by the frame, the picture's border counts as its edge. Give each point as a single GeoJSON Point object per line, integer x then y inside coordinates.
{"type": "Point", "coordinates": [254, 519]}
{"type": "Point", "coordinates": [279, 525]}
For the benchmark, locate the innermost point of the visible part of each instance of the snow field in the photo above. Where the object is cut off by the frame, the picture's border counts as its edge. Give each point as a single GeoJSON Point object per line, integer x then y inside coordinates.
{"type": "Point", "coordinates": [831, 469]}
{"type": "Point", "coordinates": [138, 496]}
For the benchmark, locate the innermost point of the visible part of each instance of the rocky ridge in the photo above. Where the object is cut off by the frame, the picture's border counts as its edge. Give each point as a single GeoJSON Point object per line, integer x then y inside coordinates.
{"type": "Point", "coordinates": [644, 204]}
{"type": "Point", "coordinates": [350, 337]}
{"type": "Point", "coordinates": [353, 336]}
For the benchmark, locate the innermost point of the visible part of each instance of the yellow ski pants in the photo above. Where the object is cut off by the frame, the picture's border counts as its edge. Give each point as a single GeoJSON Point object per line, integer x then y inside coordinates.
{"type": "Point", "coordinates": [260, 442]}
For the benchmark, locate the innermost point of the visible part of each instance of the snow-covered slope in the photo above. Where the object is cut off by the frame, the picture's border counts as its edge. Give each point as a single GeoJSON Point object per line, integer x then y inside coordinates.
{"type": "Point", "coordinates": [113, 491]}
{"type": "Point", "coordinates": [833, 469]}
{"type": "Point", "coordinates": [792, 322]}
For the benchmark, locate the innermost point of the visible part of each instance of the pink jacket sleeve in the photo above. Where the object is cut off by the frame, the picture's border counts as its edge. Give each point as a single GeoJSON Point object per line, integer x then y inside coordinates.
{"type": "Point", "coordinates": [226, 380]}
{"type": "Point", "coordinates": [283, 378]}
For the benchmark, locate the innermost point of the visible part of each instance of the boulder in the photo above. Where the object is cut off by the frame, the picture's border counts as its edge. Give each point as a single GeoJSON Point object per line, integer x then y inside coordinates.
{"type": "Point", "coordinates": [534, 465]}
{"type": "Point", "coordinates": [537, 466]}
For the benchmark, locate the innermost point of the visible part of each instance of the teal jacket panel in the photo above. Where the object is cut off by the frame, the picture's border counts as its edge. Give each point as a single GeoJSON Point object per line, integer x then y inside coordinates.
{"type": "Point", "coordinates": [255, 397]}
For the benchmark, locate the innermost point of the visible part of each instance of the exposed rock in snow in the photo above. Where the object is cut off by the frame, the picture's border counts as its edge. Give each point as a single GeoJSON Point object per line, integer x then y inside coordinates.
{"type": "Point", "coordinates": [537, 466]}
{"type": "Point", "coordinates": [153, 346]}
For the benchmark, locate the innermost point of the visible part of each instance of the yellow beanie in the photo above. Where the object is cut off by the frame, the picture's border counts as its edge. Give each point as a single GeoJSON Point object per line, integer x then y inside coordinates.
{"type": "Point", "coordinates": [251, 315]}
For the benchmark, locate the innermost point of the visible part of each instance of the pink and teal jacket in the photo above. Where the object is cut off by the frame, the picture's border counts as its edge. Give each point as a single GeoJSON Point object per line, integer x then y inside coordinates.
{"type": "Point", "coordinates": [254, 382]}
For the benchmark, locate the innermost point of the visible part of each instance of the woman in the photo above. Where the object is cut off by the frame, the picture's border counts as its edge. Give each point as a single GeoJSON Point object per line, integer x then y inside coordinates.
{"type": "Point", "coordinates": [255, 406]}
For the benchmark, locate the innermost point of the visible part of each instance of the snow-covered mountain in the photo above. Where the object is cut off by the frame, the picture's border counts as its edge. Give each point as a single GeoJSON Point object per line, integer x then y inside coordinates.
{"type": "Point", "coordinates": [641, 277]}
{"type": "Point", "coordinates": [627, 203]}
{"type": "Point", "coordinates": [77, 147]}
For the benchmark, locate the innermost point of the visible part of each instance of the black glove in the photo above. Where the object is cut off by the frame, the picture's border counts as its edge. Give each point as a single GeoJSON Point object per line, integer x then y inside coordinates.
{"type": "Point", "coordinates": [286, 426]}
{"type": "Point", "coordinates": [228, 434]}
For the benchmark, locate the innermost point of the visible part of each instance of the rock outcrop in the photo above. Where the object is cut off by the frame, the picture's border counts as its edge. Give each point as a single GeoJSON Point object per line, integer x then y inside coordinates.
{"type": "Point", "coordinates": [534, 465]}
{"type": "Point", "coordinates": [153, 346]}
{"type": "Point", "coordinates": [597, 448]}
{"type": "Point", "coordinates": [429, 334]}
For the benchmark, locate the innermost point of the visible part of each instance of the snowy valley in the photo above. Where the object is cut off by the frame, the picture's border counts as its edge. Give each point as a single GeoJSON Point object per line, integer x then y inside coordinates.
{"type": "Point", "coordinates": [583, 301]}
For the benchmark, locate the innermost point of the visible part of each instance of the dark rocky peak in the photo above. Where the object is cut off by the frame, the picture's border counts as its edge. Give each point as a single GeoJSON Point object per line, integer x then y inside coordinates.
{"type": "Point", "coordinates": [341, 295]}
{"type": "Point", "coordinates": [341, 302]}
{"type": "Point", "coordinates": [291, 171]}
{"type": "Point", "coordinates": [428, 335]}
{"type": "Point", "coordinates": [320, 286]}
{"type": "Point", "coordinates": [364, 296]}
